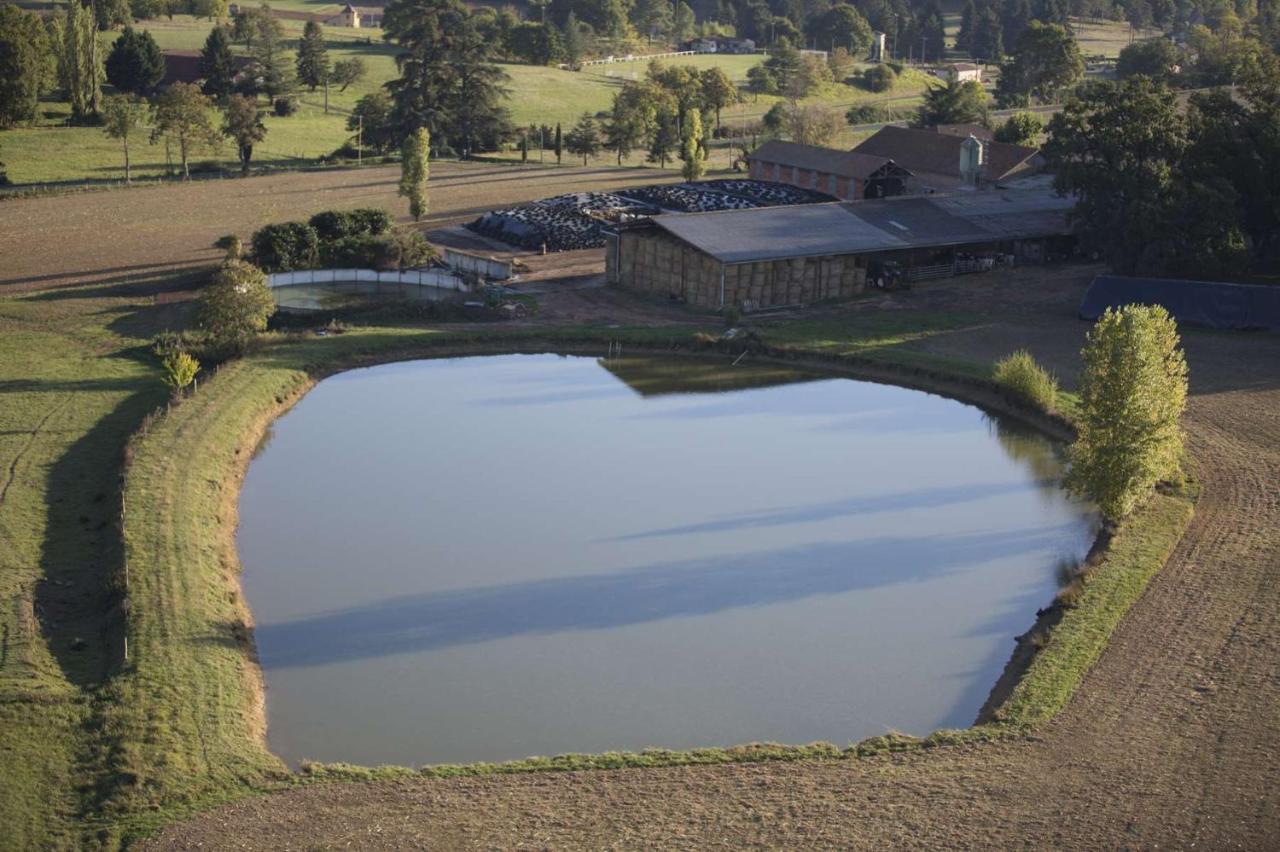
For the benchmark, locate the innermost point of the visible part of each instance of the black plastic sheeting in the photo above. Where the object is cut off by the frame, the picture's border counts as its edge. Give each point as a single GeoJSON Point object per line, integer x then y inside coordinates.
{"type": "Point", "coordinates": [1210, 304]}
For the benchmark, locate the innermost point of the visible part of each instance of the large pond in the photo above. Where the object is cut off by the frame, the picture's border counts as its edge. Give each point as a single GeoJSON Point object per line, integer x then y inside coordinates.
{"type": "Point", "coordinates": [493, 557]}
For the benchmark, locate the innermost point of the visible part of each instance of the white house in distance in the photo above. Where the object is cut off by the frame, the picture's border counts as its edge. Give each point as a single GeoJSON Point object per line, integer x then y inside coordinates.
{"type": "Point", "coordinates": [963, 72]}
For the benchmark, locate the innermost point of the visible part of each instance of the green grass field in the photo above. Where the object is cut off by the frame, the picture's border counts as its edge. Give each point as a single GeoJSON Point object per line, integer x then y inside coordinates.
{"type": "Point", "coordinates": [52, 152]}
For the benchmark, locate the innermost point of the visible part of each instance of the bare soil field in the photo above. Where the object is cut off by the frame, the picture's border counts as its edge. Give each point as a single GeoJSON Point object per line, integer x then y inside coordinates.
{"type": "Point", "coordinates": [1172, 741]}
{"type": "Point", "coordinates": [140, 235]}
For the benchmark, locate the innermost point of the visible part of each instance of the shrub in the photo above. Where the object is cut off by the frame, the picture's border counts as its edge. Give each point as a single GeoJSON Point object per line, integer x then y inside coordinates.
{"type": "Point", "coordinates": [409, 249]}
{"type": "Point", "coordinates": [179, 369]}
{"type": "Point", "coordinates": [336, 224]}
{"type": "Point", "coordinates": [236, 305]}
{"type": "Point", "coordinates": [167, 343]}
{"type": "Point", "coordinates": [286, 246]}
{"type": "Point", "coordinates": [1021, 374]}
{"type": "Point", "coordinates": [874, 114]}
{"type": "Point", "coordinates": [879, 78]}
{"type": "Point", "coordinates": [361, 251]}
{"type": "Point", "coordinates": [1133, 390]}
{"type": "Point", "coordinates": [284, 106]}
{"type": "Point", "coordinates": [231, 245]}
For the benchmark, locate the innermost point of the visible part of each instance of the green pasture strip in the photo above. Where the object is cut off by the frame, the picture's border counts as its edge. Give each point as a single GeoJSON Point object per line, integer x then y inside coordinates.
{"type": "Point", "coordinates": [1139, 548]}
{"type": "Point", "coordinates": [71, 391]}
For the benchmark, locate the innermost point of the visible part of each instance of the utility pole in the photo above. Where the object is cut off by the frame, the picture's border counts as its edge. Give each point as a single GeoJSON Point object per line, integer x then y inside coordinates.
{"type": "Point", "coordinates": [360, 143]}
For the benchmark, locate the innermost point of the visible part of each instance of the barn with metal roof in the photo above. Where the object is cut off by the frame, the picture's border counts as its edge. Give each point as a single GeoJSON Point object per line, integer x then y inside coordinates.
{"type": "Point", "coordinates": [807, 253]}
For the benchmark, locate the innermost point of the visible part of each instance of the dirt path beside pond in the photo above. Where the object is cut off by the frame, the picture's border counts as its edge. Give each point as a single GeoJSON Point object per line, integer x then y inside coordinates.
{"type": "Point", "coordinates": [1173, 740]}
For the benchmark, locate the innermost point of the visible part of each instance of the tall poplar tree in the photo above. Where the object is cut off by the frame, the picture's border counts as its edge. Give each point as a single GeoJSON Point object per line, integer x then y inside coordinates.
{"type": "Point", "coordinates": [414, 171]}
{"type": "Point", "coordinates": [82, 60]}
{"type": "Point", "coordinates": [693, 151]}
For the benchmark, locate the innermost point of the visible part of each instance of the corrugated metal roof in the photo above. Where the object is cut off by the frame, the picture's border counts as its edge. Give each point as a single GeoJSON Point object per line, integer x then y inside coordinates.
{"type": "Point", "coordinates": [814, 230]}
{"type": "Point", "coordinates": [803, 230]}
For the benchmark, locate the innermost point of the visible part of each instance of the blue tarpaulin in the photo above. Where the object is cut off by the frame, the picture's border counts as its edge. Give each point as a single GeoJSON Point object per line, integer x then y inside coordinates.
{"type": "Point", "coordinates": [1211, 304]}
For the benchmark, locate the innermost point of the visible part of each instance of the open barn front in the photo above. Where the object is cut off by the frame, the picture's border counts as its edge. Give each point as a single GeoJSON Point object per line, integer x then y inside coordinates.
{"type": "Point", "coordinates": [820, 252]}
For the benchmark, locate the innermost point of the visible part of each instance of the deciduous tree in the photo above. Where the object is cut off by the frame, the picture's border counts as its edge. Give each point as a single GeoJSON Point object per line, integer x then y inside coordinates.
{"type": "Point", "coordinates": [242, 123]}
{"type": "Point", "coordinates": [347, 72]}
{"type": "Point", "coordinates": [1133, 389]}
{"type": "Point", "coordinates": [236, 305]}
{"type": "Point", "coordinates": [718, 90]}
{"type": "Point", "coordinates": [125, 117]}
{"type": "Point", "coordinates": [82, 63]}
{"type": "Point", "coordinates": [1022, 128]}
{"type": "Point", "coordinates": [415, 169]}
{"type": "Point", "coordinates": [183, 115]}
{"type": "Point", "coordinates": [27, 65]}
{"type": "Point", "coordinates": [373, 122]}
{"type": "Point", "coordinates": [692, 151]}
{"type": "Point", "coordinates": [1046, 62]}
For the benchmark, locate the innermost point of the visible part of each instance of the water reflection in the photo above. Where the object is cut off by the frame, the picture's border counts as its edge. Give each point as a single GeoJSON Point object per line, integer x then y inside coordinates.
{"type": "Point", "coordinates": [485, 558]}
{"type": "Point", "coordinates": [650, 593]}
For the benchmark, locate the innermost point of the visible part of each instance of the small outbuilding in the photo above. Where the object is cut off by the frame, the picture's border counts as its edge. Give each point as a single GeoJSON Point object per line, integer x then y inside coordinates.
{"type": "Point", "coordinates": [964, 72]}
{"type": "Point", "coordinates": [846, 175]}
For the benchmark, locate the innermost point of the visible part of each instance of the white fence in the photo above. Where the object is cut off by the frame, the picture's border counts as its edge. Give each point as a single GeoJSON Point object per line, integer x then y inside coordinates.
{"type": "Point", "coordinates": [488, 267]}
{"type": "Point", "coordinates": [633, 57]}
{"type": "Point", "coordinates": [421, 277]}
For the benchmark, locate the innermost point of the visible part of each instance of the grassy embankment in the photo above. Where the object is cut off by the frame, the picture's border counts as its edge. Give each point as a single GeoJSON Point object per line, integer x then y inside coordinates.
{"type": "Point", "coordinates": [102, 749]}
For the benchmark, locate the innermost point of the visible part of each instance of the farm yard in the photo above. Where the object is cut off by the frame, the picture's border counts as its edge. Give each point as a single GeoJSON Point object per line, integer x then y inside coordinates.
{"type": "Point", "coordinates": [1184, 724]}
{"type": "Point", "coordinates": [578, 220]}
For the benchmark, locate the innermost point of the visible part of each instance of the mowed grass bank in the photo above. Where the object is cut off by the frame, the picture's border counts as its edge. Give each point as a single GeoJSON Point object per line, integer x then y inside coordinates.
{"type": "Point", "coordinates": [72, 389]}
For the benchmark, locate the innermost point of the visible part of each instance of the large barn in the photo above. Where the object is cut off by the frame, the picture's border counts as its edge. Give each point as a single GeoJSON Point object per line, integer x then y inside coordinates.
{"type": "Point", "coordinates": [847, 175]}
{"type": "Point", "coordinates": [934, 158]}
{"type": "Point", "coordinates": [807, 253]}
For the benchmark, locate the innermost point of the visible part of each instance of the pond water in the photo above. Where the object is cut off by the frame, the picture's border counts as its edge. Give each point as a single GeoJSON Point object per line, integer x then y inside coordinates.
{"type": "Point", "coordinates": [338, 295]}
{"type": "Point", "coordinates": [494, 557]}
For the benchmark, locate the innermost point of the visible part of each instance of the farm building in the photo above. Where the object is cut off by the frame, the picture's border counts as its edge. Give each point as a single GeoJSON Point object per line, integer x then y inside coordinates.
{"type": "Point", "coordinates": [935, 159]}
{"type": "Point", "coordinates": [721, 44]}
{"type": "Point", "coordinates": [796, 255]}
{"type": "Point", "coordinates": [963, 72]}
{"type": "Point", "coordinates": [847, 175]}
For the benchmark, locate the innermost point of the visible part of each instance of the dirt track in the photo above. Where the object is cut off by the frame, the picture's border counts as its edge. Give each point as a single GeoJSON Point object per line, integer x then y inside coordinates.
{"type": "Point", "coordinates": [1173, 740]}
